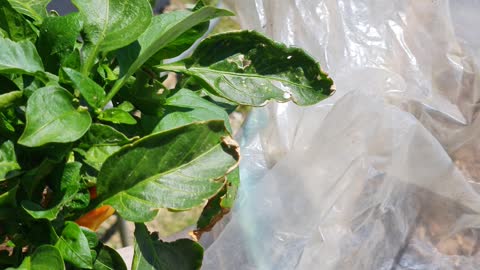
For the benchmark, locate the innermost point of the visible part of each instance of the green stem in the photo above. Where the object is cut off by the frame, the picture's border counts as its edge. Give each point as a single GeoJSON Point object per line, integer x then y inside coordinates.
{"type": "Point", "coordinates": [116, 87]}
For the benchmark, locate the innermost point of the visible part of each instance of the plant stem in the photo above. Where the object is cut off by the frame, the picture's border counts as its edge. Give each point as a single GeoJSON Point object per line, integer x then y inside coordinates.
{"type": "Point", "coordinates": [116, 87]}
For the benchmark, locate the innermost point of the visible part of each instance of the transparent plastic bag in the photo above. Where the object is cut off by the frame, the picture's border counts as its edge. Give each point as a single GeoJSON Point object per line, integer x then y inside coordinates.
{"type": "Point", "coordinates": [383, 175]}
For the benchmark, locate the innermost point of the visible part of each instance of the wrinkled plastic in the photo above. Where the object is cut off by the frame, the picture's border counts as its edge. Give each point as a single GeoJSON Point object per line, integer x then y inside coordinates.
{"type": "Point", "coordinates": [384, 174]}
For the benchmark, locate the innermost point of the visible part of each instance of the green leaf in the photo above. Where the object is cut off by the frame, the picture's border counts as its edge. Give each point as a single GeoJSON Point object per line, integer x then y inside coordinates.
{"type": "Point", "coordinates": [250, 69]}
{"type": "Point", "coordinates": [41, 232]}
{"type": "Point", "coordinates": [178, 169]}
{"type": "Point", "coordinates": [109, 259]}
{"type": "Point", "coordinates": [152, 3]}
{"type": "Point", "coordinates": [117, 116]}
{"type": "Point", "coordinates": [7, 130]}
{"type": "Point", "coordinates": [8, 199]}
{"type": "Point", "coordinates": [73, 246]}
{"type": "Point", "coordinates": [37, 212]}
{"type": "Point", "coordinates": [111, 24]}
{"type": "Point", "coordinates": [106, 72]}
{"type": "Point", "coordinates": [61, 123]}
{"type": "Point", "coordinates": [100, 142]}
{"type": "Point", "coordinates": [9, 99]}
{"type": "Point", "coordinates": [45, 257]}
{"type": "Point", "coordinates": [58, 36]}
{"type": "Point", "coordinates": [33, 178]}
{"type": "Point", "coordinates": [90, 90]}
{"type": "Point", "coordinates": [99, 134]}
{"type": "Point", "coordinates": [163, 30]}
{"type": "Point", "coordinates": [91, 237]}
{"type": "Point", "coordinates": [29, 84]}
{"type": "Point", "coordinates": [147, 97]}
{"type": "Point", "coordinates": [150, 253]}
{"type": "Point", "coordinates": [148, 123]}
{"type": "Point", "coordinates": [184, 41]}
{"type": "Point", "coordinates": [26, 265]}
{"type": "Point", "coordinates": [219, 205]}
{"type": "Point", "coordinates": [35, 9]}
{"type": "Point", "coordinates": [67, 187]}
{"type": "Point", "coordinates": [19, 57]}
{"type": "Point", "coordinates": [9, 166]}
{"type": "Point", "coordinates": [13, 24]}
{"type": "Point", "coordinates": [233, 182]}
{"type": "Point", "coordinates": [211, 213]}
{"type": "Point", "coordinates": [9, 123]}
{"type": "Point", "coordinates": [96, 156]}
{"type": "Point", "coordinates": [72, 60]}
{"type": "Point", "coordinates": [79, 201]}
{"type": "Point", "coordinates": [186, 108]}
{"type": "Point", "coordinates": [126, 106]}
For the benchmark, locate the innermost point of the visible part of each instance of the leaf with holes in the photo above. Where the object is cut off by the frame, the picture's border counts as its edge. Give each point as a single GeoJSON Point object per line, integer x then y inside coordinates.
{"type": "Point", "coordinates": [94, 121]}
{"type": "Point", "coordinates": [250, 69]}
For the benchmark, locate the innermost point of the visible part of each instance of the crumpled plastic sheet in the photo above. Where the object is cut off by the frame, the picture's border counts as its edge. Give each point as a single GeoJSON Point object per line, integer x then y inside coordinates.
{"type": "Point", "coordinates": [383, 175]}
